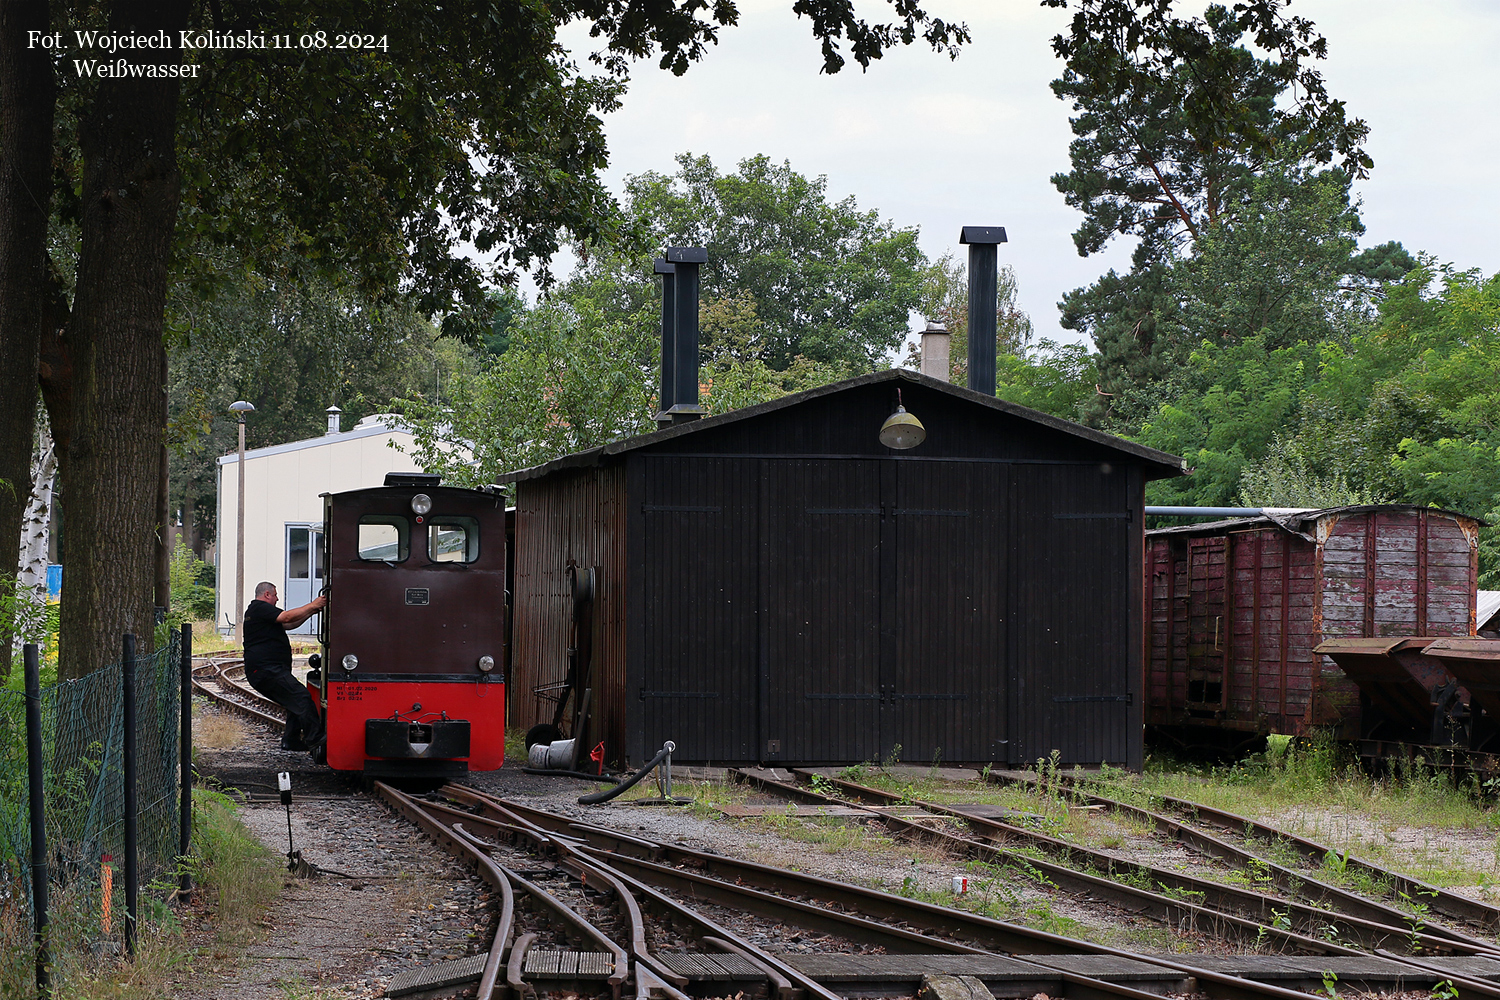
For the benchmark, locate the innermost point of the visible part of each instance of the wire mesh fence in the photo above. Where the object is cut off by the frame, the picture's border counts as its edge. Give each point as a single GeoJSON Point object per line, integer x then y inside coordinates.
{"type": "Point", "coordinates": [83, 729]}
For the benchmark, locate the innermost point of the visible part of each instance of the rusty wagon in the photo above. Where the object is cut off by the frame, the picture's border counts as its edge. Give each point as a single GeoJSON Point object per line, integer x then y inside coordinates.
{"type": "Point", "coordinates": [1235, 610]}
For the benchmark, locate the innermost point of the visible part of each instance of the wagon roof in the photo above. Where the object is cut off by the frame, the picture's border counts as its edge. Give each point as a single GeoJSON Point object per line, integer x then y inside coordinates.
{"type": "Point", "coordinates": [1162, 464]}
{"type": "Point", "coordinates": [1295, 521]}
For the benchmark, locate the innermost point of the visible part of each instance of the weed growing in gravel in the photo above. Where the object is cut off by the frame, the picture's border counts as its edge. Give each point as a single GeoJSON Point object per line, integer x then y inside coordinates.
{"type": "Point", "coordinates": [830, 833]}
{"type": "Point", "coordinates": [709, 796]}
{"type": "Point", "coordinates": [1320, 773]}
{"type": "Point", "coordinates": [215, 730]}
{"type": "Point", "coordinates": [298, 988]}
{"type": "Point", "coordinates": [237, 872]}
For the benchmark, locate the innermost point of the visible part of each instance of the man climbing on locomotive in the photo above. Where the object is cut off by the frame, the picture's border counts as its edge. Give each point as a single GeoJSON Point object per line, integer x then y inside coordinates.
{"type": "Point", "coordinates": [268, 664]}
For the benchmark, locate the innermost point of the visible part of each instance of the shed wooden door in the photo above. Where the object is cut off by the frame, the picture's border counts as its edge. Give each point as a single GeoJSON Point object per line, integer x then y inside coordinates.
{"type": "Point", "coordinates": [1072, 614]}
{"type": "Point", "coordinates": [883, 623]}
{"type": "Point", "coordinates": [820, 610]}
{"type": "Point", "coordinates": [699, 593]}
{"type": "Point", "coordinates": [943, 680]}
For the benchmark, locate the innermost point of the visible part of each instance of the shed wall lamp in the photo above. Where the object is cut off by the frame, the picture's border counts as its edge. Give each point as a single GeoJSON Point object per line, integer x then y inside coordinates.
{"type": "Point", "coordinates": [902, 430]}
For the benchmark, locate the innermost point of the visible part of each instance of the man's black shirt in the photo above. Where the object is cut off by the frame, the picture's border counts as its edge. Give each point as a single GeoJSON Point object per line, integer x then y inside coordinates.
{"type": "Point", "coordinates": [266, 642]}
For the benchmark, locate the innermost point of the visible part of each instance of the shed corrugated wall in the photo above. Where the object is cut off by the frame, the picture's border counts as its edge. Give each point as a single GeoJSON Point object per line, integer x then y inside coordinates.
{"type": "Point", "coordinates": [577, 517]}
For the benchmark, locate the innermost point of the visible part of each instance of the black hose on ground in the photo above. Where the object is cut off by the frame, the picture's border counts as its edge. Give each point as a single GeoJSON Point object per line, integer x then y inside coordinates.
{"type": "Point", "coordinates": [594, 798]}
{"type": "Point", "coordinates": [562, 773]}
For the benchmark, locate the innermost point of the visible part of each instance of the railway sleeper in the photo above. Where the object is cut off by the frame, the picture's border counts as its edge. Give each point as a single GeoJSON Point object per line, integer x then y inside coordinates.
{"type": "Point", "coordinates": [1016, 977]}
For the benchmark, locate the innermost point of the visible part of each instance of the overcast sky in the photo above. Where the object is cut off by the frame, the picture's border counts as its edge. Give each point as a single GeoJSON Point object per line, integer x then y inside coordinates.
{"type": "Point", "coordinates": [938, 144]}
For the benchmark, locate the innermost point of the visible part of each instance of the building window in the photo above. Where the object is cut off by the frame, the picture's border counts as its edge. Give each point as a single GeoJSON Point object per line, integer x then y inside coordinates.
{"type": "Point", "coordinates": [453, 539]}
{"type": "Point", "coordinates": [384, 538]}
{"type": "Point", "coordinates": [296, 553]}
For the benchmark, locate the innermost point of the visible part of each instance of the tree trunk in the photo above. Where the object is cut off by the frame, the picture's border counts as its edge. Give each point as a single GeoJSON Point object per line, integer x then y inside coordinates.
{"type": "Point", "coordinates": [163, 582]}
{"type": "Point", "coordinates": [131, 189]}
{"type": "Point", "coordinates": [55, 368]}
{"type": "Point", "coordinates": [27, 92]}
{"type": "Point", "coordinates": [32, 573]}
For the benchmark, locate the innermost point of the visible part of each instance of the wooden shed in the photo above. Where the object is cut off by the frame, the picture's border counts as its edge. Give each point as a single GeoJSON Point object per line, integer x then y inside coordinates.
{"type": "Point", "coordinates": [1236, 608]}
{"type": "Point", "coordinates": [774, 585]}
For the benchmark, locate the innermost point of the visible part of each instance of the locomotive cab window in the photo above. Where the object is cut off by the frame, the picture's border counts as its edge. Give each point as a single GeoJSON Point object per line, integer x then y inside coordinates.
{"type": "Point", "coordinates": [384, 538]}
{"type": "Point", "coordinates": [453, 539]}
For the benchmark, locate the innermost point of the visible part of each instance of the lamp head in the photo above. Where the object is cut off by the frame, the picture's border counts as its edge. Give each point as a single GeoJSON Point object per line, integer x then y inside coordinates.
{"type": "Point", "coordinates": [239, 408]}
{"type": "Point", "coordinates": [901, 430]}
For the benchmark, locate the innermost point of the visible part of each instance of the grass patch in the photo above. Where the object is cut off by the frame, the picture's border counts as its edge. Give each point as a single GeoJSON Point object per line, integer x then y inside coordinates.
{"type": "Point", "coordinates": [515, 746]}
{"type": "Point", "coordinates": [216, 730]}
{"type": "Point", "coordinates": [238, 875]}
{"type": "Point", "coordinates": [207, 641]}
{"type": "Point", "coordinates": [1406, 819]}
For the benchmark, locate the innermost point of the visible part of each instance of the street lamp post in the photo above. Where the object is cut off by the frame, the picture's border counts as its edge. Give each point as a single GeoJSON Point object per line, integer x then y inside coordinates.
{"type": "Point", "coordinates": [240, 408]}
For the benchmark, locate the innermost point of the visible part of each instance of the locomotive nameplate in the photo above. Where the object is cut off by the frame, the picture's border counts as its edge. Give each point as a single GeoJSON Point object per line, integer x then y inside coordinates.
{"type": "Point", "coordinates": [418, 596]}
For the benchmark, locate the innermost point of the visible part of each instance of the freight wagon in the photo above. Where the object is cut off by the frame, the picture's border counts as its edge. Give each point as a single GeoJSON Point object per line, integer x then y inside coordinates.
{"type": "Point", "coordinates": [1236, 608]}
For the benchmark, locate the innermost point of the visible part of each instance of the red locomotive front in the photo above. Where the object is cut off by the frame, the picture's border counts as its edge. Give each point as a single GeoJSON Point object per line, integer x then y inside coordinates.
{"type": "Point", "coordinates": [412, 680]}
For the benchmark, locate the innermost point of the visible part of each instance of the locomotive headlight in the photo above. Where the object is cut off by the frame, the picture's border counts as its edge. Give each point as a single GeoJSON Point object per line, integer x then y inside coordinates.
{"type": "Point", "coordinates": [486, 663]}
{"type": "Point", "coordinates": [421, 503]}
{"type": "Point", "coordinates": [350, 661]}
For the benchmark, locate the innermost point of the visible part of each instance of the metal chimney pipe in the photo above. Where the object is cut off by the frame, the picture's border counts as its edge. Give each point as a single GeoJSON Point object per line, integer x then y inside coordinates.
{"type": "Point", "coordinates": [668, 274]}
{"type": "Point", "coordinates": [984, 279]}
{"type": "Point", "coordinates": [935, 341]}
{"type": "Point", "coordinates": [333, 413]}
{"type": "Point", "coordinates": [686, 261]}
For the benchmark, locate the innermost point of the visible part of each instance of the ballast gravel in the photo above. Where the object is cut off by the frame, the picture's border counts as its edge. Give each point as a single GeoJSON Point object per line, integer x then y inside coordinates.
{"type": "Point", "coordinates": [389, 899]}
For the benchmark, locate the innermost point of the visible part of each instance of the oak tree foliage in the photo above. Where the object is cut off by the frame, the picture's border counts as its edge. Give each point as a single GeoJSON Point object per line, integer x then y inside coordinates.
{"type": "Point", "coordinates": [830, 281]}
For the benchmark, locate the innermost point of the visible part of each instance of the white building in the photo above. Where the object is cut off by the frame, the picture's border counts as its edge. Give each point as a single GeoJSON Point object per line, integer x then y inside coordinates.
{"type": "Point", "coordinates": [284, 485]}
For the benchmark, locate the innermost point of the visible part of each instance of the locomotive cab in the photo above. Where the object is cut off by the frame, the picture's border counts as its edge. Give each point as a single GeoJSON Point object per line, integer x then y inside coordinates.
{"type": "Point", "coordinates": [412, 678]}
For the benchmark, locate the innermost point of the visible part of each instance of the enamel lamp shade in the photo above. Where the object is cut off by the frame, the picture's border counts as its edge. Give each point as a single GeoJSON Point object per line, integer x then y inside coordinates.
{"type": "Point", "coordinates": [902, 430]}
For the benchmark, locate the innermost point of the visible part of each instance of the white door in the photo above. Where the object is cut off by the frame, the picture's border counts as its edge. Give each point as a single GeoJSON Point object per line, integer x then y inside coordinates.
{"type": "Point", "coordinates": [304, 571]}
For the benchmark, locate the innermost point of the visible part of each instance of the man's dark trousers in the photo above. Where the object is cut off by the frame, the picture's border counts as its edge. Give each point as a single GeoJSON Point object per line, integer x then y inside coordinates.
{"type": "Point", "coordinates": [302, 722]}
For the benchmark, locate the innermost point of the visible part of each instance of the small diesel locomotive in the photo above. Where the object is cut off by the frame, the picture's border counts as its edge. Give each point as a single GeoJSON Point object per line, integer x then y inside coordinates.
{"type": "Point", "coordinates": [411, 678]}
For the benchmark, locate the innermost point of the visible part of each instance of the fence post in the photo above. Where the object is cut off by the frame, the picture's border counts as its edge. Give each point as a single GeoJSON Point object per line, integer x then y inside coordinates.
{"type": "Point", "coordinates": [34, 773]}
{"type": "Point", "coordinates": [132, 873]}
{"type": "Point", "coordinates": [185, 745]}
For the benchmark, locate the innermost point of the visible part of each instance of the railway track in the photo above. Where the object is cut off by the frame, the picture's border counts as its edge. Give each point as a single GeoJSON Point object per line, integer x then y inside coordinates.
{"type": "Point", "coordinates": [1292, 910]}
{"type": "Point", "coordinates": [588, 909]}
{"type": "Point", "coordinates": [1303, 916]}
{"type": "Point", "coordinates": [1244, 841]}
{"type": "Point", "coordinates": [222, 681]}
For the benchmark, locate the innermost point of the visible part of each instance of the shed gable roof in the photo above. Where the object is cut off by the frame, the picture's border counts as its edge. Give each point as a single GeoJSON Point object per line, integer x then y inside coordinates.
{"type": "Point", "coordinates": [1159, 464]}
